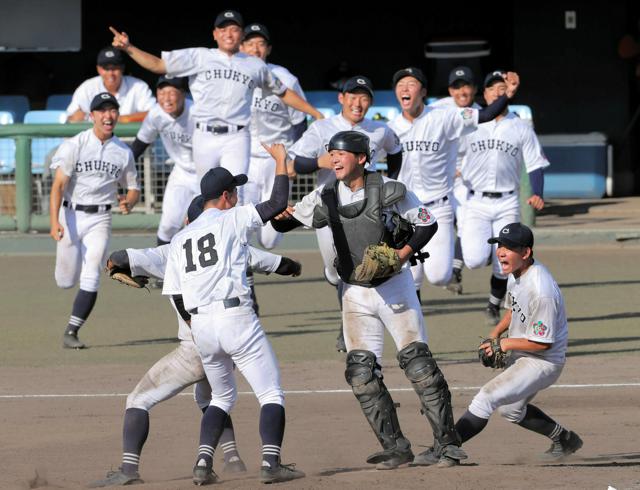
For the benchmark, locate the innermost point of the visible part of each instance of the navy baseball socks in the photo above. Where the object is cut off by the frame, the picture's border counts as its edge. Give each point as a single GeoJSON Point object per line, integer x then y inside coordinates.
{"type": "Point", "coordinates": [82, 306]}
{"type": "Point", "coordinates": [563, 441]}
{"type": "Point", "coordinates": [272, 421]}
{"type": "Point", "coordinates": [498, 292]}
{"type": "Point", "coordinates": [232, 461]}
{"type": "Point", "coordinates": [211, 428]}
{"type": "Point", "coordinates": [455, 283]}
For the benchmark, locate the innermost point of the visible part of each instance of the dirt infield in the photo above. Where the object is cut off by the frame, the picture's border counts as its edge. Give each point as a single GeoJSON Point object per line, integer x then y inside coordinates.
{"type": "Point", "coordinates": [61, 411]}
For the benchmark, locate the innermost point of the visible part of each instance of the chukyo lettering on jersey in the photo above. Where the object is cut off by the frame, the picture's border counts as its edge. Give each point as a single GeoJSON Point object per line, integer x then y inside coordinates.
{"type": "Point", "coordinates": [266, 104]}
{"type": "Point", "coordinates": [425, 146]}
{"type": "Point", "coordinates": [178, 136]}
{"type": "Point", "coordinates": [494, 144]}
{"type": "Point", "coordinates": [516, 308]}
{"type": "Point", "coordinates": [229, 74]}
{"type": "Point", "coordinates": [98, 166]}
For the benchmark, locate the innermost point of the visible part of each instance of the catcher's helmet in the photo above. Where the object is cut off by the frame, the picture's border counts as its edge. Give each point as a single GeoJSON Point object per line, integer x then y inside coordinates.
{"type": "Point", "coordinates": [351, 141]}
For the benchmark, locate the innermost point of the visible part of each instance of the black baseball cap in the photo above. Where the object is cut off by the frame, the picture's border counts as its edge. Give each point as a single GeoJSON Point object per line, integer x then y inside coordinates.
{"type": "Point", "coordinates": [217, 180]}
{"type": "Point", "coordinates": [462, 73]}
{"type": "Point", "coordinates": [110, 56]}
{"type": "Point", "coordinates": [495, 75]}
{"type": "Point", "coordinates": [514, 235]}
{"type": "Point", "coordinates": [256, 29]}
{"type": "Point", "coordinates": [228, 17]}
{"type": "Point", "coordinates": [103, 99]}
{"type": "Point", "coordinates": [179, 82]}
{"type": "Point", "coordinates": [195, 208]}
{"type": "Point", "coordinates": [358, 82]}
{"type": "Point", "coordinates": [410, 71]}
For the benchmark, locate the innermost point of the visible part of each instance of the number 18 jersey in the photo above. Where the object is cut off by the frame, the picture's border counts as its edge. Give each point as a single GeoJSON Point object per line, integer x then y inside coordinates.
{"type": "Point", "coordinates": [208, 259]}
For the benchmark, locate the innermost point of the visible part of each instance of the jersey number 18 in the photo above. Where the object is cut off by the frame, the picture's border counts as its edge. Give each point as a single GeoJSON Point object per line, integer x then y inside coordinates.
{"type": "Point", "coordinates": [207, 256]}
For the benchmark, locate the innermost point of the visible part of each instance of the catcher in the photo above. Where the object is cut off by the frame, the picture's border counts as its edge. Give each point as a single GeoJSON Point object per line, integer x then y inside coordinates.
{"type": "Point", "coordinates": [364, 209]}
{"type": "Point", "coordinates": [536, 347]}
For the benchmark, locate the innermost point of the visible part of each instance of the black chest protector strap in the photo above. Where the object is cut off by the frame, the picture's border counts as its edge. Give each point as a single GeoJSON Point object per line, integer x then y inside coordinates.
{"type": "Point", "coordinates": [330, 199]}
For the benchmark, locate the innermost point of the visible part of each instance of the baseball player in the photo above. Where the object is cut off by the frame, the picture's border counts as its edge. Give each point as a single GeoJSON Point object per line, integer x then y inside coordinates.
{"type": "Point", "coordinates": [536, 321]}
{"type": "Point", "coordinates": [491, 169]}
{"type": "Point", "coordinates": [221, 82]}
{"type": "Point", "coordinates": [88, 169]}
{"type": "Point", "coordinates": [207, 265]}
{"type": "Point", "coordinates": [132, 94]}
{"type": "Point", "coordinates": [360, 209]}
{"type": "Point", "coordinates": [429, 139]}
{"type": "Point", "coordinates": [271, 122]}
{"type": "Point", "coordinates": [462, 93]}
{"type": "Point", "coordinates": [171, 119]}
{"type": "Point", "coordinates": [180, 368]}
{"type": "Point", "coordinates": [309, 154]}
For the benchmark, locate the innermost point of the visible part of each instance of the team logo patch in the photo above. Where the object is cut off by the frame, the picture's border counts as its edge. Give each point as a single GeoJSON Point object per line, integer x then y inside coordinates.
{"type": "Point", "coordinates": [505, 231]}
{"type": "Point", "coordinates": [459, 73]}
{"type": "Point", "coordinates": [466, 113]}
{"type": "Point", "coordinates": [105, 96]}
{"type": "Point", "coordinates": [255, 27]}
{"type": "Point", "coordinates": [539, 329]}
{"type": "Point", "coordinates": [228, 15]}
{"type": "Point", "coordinates": [423, 215]}
{"type": "Point", "coordinates": [361, 81]}
{"type": "Point", "coordinates": [109, 54]}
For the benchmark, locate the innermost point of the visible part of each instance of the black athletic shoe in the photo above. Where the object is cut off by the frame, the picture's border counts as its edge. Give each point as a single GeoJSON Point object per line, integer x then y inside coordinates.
{"type": "Point", "coordinates": [568, 443]}
{"type": "Point", "coordinates": [492, 315]}
{"type": "Point", "coordinates": [340, 345]}
{"type": "Point", "coordinates": [70, 341]}
{"type": "Point", "coordinates": [282, 472]}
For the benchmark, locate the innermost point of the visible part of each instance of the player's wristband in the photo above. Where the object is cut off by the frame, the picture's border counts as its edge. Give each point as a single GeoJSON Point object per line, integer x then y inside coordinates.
{"type": "Point", "coordinates": [536, 177]}
{"type": "Point", "coordinates": [278, 200]}
{"type": "Point", "coordinates": [304, 165]}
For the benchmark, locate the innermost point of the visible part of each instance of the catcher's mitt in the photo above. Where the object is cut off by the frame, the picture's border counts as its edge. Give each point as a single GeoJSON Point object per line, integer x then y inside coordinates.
{"type": "Point", "coordinates": [498, 358]}
{"type": "Point", "coordinates": [378, 261]}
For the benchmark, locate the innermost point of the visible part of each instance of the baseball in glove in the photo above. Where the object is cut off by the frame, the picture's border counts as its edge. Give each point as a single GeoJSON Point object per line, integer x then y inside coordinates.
{"type": "Point", "coordinates": [119, 270]}
{"type": "Point", "coordinates": [378, 261]}
{"type": "Point", "coordinates": [497, 359]}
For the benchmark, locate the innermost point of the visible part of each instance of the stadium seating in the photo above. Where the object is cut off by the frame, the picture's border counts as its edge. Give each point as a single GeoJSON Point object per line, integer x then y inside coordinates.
{"type": "Point", "coordinates": [7, 147]}
{"type": "Point", "coordinates": [18, 105]}
{"type": "Point", "coordinates": [58, 102]}
{"type": "Point", "coordinates": [40, 147]}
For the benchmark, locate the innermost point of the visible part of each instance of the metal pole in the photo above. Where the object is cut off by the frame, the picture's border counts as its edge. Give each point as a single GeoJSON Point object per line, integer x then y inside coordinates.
{"type": "Point", "coordinates": [23, 183]}
{"type": "Point", "coordinates": [527, 213]}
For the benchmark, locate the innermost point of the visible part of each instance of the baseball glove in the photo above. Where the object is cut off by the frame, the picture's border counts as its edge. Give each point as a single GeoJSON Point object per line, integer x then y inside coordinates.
{"type": "Point", "coordinates": [498, 358]}
{"type": "Point", "coordinates": [124, 276]}
{"type": "Point", "coordinates": [378, 261]}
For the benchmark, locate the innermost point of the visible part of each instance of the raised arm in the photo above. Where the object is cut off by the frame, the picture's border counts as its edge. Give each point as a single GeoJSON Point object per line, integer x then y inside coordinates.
{"type": "Point", "coordinates": [146, 60]}
{"type": "Point", "coordinates": [292, 99]}
{"type": "Point", "coordinates": [280, 192]}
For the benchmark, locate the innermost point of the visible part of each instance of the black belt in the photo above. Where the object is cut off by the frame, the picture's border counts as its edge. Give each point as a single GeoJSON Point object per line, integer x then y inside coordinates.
{"type": "Point", "coordinates": [493, 195]}
{"type": "Point", "coordinates": [227, 303]}
{"type": "Point", "coordinates": [216, 129]}
{"type": "Point", "coordinates": [91, 208]}
{"type": "Point", "coordinates": [442, 200]}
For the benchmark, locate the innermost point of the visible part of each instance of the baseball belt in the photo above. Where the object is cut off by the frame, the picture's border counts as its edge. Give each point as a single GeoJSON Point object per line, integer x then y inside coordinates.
{"type": "Point", "coordinates": [218, 129]}
{"type": "Point", "coordinates": [492, 195]}
{"type": "Point", "coordinates": [91, 208]}
{"type": "Point", "coordinates": [227, 303]}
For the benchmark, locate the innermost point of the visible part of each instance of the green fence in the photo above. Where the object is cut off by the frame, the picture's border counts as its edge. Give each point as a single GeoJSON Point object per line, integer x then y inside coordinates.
{"type": "Point", "coordinates": [24, 191]}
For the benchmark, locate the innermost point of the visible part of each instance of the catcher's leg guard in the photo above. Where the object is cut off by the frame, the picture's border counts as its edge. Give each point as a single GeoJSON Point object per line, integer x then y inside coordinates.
{"type": "Point", "coordinates": [377, 406]}
{"type": "Point", "coordinates": [432, 389]}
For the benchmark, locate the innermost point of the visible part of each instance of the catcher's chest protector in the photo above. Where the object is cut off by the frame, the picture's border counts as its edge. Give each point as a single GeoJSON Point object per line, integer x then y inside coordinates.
{"type": "Point", "coordinates": [357, 225]}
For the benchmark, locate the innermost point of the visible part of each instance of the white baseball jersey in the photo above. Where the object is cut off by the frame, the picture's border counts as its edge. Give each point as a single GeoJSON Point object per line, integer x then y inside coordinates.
{"type": "Point", "coordinates": [221, 85]}
{"type": "Point", "coordinates": [175, 134]}
{"type": "Point", "coordinates": [208, 258]}
{"type": "Point", "coordinates": [153, 262]}
{"type": "Point", "coordinates": [315, 140]}
{"type": "Point", "coordinates": [449, 102]}
{"type": "Point", "coordinates": [538, 312]}
{"type": "Point", "coordinates": [430, 149]}
{"type": "Point", "coordinates": [272, 120]}
{"type": "Point", "coordinates": [495, 153]}
{"type": "Point", "coordinates": [133, 96]}
{"type": "Point", "coordinates": [95, 168]}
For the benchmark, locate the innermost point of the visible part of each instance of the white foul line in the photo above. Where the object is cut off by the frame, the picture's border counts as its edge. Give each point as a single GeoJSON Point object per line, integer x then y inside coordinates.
{"type": "Point", "coordinates": [310, 392]}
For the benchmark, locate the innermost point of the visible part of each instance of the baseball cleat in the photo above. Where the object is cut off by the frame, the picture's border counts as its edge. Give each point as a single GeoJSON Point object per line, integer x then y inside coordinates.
{"type": "Point", "coordinates": [392, 463]}
{"type": "Point", "coordinates": [450, 456]}
{"type": "Point", "coordinates": [157, 284]}
{"type": "Point", "coordinates": [425, 458]}
{"type": "Point", "coordinates": [234, 465]}
{"type": "Point", "coordinates": [204, 475]}
{"type": "Point", "coordinates": [281, 473]}
{"type": "Point", "coordinates": [70, 341]}
{"type": "Point", "coordinates": [568, 443]}
{"type": "Point", "coordinates": [492, 315]}
{"type": "Point", "coordinates": [455, 283]}
{"type": "Point", "coordinates": [116, 478]}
